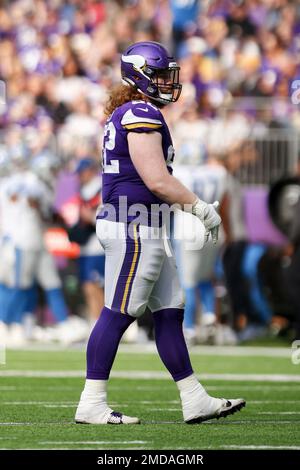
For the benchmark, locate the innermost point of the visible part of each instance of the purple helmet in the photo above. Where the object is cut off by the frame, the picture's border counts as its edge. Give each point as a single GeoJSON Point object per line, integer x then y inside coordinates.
{"type": "Point", "coordinates": [148, 67]}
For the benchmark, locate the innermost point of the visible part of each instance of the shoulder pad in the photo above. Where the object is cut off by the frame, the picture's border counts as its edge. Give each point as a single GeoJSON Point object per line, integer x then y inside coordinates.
{"type": "Point", "coordinates": [142, 115]}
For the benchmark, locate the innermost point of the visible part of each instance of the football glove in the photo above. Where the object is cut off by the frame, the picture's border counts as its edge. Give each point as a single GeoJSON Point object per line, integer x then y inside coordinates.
{"type": "Point", "coordinates": [209, 217]}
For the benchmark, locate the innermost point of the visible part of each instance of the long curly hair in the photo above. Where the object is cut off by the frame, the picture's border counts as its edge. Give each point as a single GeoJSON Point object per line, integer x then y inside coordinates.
{"type": "Point", "coordinates": [119, 95]}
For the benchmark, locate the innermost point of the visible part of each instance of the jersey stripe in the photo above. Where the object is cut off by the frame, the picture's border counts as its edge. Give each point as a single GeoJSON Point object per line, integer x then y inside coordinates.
{"type": "Point", "coordinates": [127, 273]}
{"type": "Point", "coordinates": [132, 269]}
{"type": "Point", "coordinates": [143, 124]}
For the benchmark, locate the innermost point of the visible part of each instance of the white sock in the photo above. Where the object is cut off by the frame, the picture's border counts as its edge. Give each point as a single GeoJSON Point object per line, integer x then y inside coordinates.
{"type": "Point", "coordinates": [189, 383]}
{"type": "Point", "coordinates": [194, 398]}
{"type": "Point", "coordinates": [94, 387]}
{"type": "Point", "coordinates": [191, 387]}
{"type": "Point", "coordinates": [94, 396]}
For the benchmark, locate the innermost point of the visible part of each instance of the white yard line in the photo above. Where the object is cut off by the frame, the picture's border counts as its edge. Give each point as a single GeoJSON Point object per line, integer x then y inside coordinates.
{"type": "Point", "coordinates": [25, 402]}
{"type": "Point", "coordinates": [76, 404]}
{"type": "Point", "coordinates": [233, 377]}
{"type": "Point", "coordinates": [265, 388]}
{"type": "Point", "coordinates": [278, 412]}
{"type": "Point", "coordinates": [125, 404]}
{"type": "Point", "coordinates": [159, 375]}
{"type": "Point", "coordinates": [59, 406]}
{"type": "Point", "coordinates": [231, 421]}
{"type": "Point", "coordinates": [7, 423]}
{"type": "Point", "coordinates": [16, 424]}
{"type": "Point", "coordinates": [279, 402]}
{"type": "Point", "coordinates": [159, 402]}
{"type": "Point", "coordinates": [53, 404]}
{"type": "Point", "coordinates": [163, 409]}
{"type": "Point", "coordinates": [71, 448]}
{"type": "Point", "coordinates": [153, 422]}
{"type": "Point", "coordinates": [150, 348]}
{"type": "Point", "coordinates": [42, 373]}
{"type": "Point", "coordinates": [162, 387]}
{"type": "Point", "coordinates": [253, 447]}
{"type": "Point", "coordinates": [92, 442]}
{"type": "Point", "coordinates": [269, 422]}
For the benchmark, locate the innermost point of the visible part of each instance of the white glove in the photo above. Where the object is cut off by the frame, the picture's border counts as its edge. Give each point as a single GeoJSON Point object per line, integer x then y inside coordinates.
{"type": "Point", "coordinates": [209, 217]}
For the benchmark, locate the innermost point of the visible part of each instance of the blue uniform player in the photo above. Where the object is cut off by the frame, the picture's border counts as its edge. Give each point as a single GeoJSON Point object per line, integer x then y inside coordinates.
{"type": "Point", "coordinates": [140, 269]}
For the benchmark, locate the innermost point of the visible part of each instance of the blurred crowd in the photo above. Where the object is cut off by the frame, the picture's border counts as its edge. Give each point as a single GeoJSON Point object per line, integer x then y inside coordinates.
{"type": "Point", "coordinates": [58, 59]}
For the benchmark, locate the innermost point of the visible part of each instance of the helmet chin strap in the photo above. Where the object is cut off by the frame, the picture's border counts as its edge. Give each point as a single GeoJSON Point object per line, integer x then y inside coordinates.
{"type": "Point", "coordinates": [163, 98]}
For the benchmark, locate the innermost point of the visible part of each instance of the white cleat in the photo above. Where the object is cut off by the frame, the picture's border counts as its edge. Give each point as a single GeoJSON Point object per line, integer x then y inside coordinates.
{"type": "Point", "coordinates": [225, 336]}
{"type": "Point", "coordinates": [228, 407]}
{"type": "Point", "coordinates": [3, 333]}
{"type": "Point", "coordinates": [190, 336]}
{"type": "Point", "coordinates": [74, 329]}
{"type": "Point", "coordinates": [118, 418]}
{"type": "Point", "coordinates": [15, 336]}
{"type": "Point", "coordinates": [131, 334]}
{"type": "Point", "coordinates": [108, 417]}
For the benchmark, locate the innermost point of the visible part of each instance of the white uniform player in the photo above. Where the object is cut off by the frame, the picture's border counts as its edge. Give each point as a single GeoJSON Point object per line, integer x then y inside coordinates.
{"type": "Point", "coordinates": [23, 225]}
{"type": "Point", "coordinates": [92, 259]}
{"type": "Point", "coordinates": [196, 265]}
{"type": "Point", "coordinates": [26, 260]}
{"type": "Point", "coordinates": [9, 211]}
{"type": "Point", "coordinates": [11, 205]}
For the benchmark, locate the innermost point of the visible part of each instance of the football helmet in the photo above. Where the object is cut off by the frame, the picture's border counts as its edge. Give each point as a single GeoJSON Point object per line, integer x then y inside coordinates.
{"type": "Point", "coordinates": [46, 166]}
{"type": "Point", "coordinates": [149, 68]}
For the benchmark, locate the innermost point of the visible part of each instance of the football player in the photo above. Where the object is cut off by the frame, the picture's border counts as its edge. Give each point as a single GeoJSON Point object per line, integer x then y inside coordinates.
{"type": "Point", "coordinates": [139, 271]}
{"type": "Point", "coordinates": [91, 260]}
{"type": "Point", "coordinates": [196, 267]}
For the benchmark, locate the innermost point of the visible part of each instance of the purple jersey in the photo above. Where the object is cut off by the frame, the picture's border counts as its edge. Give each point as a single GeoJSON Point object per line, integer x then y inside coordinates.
{"type": "Point", "coordinates": [120, 177]}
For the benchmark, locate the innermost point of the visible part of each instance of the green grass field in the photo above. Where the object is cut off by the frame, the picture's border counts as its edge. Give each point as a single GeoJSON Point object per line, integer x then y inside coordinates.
{"type": "Point", "coordinates": [39, 391]}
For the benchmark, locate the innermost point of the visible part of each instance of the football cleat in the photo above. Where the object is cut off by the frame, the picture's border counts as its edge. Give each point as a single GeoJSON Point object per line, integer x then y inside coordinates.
{"type": "Point", "coordinates": [228, 407]}
{"type": "Point", "coordinates": [118, 418]}
{"type": "Point", "coordinates": [113, 417]}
